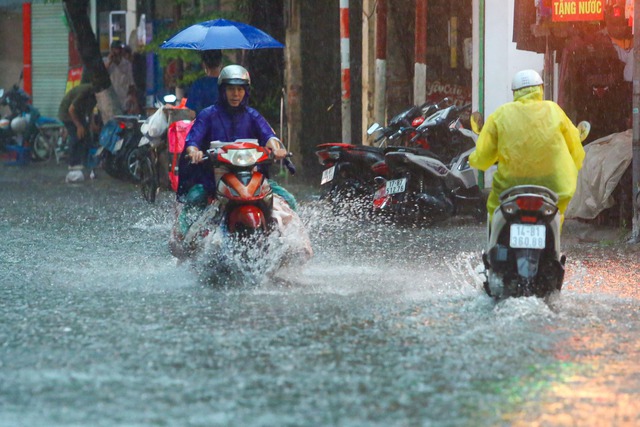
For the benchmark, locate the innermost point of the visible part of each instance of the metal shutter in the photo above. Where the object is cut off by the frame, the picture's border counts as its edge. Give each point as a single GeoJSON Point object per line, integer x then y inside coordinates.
{"type": "Point", "coordinates": [50, 56]}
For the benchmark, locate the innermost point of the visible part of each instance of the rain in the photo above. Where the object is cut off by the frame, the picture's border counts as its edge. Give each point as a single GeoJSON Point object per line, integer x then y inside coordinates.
{"type": "Point", "coordinates": [385, 325]}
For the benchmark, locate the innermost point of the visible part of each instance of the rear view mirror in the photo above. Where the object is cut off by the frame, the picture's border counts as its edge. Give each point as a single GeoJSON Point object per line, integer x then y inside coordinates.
{"type": "Point", "coordinates": [477, 121]}
{"type": "Point", "coordinates": [373, 128]}
{"type": "Point", "coordinates": [584, 127]}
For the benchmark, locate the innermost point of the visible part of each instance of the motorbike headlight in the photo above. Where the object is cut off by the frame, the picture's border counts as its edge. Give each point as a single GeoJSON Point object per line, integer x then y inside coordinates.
{"type": "Point", "coordinates": [244, 157]}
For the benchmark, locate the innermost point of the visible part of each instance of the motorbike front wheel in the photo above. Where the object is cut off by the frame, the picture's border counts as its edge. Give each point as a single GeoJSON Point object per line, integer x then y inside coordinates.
{"type": "Point", "coordinates": [43, 145]}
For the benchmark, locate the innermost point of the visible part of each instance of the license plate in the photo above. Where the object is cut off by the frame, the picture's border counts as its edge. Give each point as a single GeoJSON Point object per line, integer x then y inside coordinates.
{"type": "Point", "coordinates": [395, 186]}
{"type": "Point", "coordinates": [327, 175]}
{"type": "Point", "coordinates": [527, 236]}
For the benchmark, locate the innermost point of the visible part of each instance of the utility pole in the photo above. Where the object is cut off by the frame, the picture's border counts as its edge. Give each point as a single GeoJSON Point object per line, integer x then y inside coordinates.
{"type": "Point", "coordinates": [635, 235]}
{"type": "Point", "coordinates": [345, 71]}
{"type": "Point", "coordinates": [381, 63]}
{"type": "Point", "coordinates": [420, 73]}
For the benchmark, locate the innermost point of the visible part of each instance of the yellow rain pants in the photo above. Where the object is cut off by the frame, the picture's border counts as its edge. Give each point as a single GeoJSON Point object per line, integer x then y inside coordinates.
{"type": "Point", "coordinates": [534, 143]}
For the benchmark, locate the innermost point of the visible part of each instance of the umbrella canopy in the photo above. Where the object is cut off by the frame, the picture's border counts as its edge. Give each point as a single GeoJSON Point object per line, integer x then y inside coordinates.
{"type": "Point", "coordinates": [221, 34]}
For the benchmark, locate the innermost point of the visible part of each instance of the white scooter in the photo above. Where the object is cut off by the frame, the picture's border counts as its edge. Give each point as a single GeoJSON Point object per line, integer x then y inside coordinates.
{"type": "Point", "coordinates": [522, 257]}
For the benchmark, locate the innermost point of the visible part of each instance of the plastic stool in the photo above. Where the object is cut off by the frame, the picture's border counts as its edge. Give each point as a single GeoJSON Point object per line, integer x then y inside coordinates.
{"type": "Point", "coordinates": [23, 155]}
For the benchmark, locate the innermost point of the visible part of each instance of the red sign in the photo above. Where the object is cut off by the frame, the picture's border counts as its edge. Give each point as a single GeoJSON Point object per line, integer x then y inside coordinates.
{"type": "Point", "coordinates": [74, 77]}
{"type": "Point", "coordinates": [577, 10]}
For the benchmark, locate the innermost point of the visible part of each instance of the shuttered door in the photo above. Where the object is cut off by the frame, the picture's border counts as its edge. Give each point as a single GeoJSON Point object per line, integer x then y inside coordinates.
{"type": "Point", "coordinates": [50, 56]}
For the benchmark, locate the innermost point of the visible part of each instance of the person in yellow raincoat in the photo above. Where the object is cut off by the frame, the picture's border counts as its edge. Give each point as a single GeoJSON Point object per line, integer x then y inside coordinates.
{"type": "Point", "coordinates": [533, 141]}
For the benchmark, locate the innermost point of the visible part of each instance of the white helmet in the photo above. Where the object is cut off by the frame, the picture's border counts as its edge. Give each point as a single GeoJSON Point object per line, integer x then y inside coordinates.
{"type": "Point", "coordinates": [234, 75]}
{"type": "Point", "coordinates": [526, 78]}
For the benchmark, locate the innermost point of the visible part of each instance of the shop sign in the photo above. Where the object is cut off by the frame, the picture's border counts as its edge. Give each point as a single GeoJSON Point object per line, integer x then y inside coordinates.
{"type": "Point", "coordinates": [577, 10]}
{"type": "Point", "coordinates": [74, 77]}
{"type": "Point", "coordinates": [437, 91]}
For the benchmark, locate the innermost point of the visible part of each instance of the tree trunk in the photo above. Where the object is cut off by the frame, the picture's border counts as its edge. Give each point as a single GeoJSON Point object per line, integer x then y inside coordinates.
{"type": "Point", "coordinates": [89, 50]}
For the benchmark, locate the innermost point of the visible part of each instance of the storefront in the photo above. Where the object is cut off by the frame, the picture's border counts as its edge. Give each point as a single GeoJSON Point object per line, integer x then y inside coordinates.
{"type": "Point", "coordinates": [588, 48]}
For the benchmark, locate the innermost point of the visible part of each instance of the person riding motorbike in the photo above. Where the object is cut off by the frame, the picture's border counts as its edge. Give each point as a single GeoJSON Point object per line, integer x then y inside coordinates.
{"type": "Point", "coordinates": [229, 119]}
{"type": "Point", "coordinates": [533, 141]}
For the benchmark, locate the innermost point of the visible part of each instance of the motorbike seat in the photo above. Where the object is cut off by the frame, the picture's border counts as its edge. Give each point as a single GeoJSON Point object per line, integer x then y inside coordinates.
{"type": "Point", "coordinates": [367, 148]}
{"type": "Point", "coordinates": [418, 151]}
{"type": "Point", "coordinates": [335, 145]}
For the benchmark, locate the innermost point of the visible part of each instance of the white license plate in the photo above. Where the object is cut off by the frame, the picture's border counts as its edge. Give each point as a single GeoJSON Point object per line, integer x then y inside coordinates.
{"type": "Point", "coordinates": [395, 186]}
{"type": "Point", "coordinates": [528, 236]}
{"type": "Point", "coordinates": [327, 175]}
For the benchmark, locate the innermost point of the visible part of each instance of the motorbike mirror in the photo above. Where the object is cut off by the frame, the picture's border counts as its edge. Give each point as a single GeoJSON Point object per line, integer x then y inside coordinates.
{"type": "Point", "coordinates": [477, 121]}
{"type": "Point", "coordinates": [373, 128]}
{"type": "Point", "coordinates": [584, 127]}
{"type": "Point", "coordinates": [169, 99]}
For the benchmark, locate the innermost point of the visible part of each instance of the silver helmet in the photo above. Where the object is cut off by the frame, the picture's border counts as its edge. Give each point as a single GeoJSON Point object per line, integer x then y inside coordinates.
{"type": "Point", "coordinates": [234, 75]}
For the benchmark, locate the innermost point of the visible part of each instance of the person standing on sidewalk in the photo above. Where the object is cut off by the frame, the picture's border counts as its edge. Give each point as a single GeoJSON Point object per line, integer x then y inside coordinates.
{"type": "Point", "coordinates": [74, 112]}
{"type": "Point", "coordinates": [120, 71]}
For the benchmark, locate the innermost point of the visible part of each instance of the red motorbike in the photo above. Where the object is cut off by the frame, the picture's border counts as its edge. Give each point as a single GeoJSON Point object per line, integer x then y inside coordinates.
{"type": "Point", "coordinates": [248, 221]}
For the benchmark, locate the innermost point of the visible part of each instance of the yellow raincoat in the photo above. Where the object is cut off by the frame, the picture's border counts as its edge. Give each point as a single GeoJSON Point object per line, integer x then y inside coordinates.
{"type": "Point", "coordinates": [534, 142]}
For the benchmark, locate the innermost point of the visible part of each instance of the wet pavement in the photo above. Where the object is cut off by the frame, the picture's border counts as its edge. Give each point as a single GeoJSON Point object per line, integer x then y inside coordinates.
{"type": "Point", "coordinates": [100, 326]}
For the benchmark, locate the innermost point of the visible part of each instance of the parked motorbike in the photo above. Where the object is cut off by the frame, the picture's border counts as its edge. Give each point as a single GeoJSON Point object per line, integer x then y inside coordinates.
{"type": "Point", "coordinates": [348, 178]}
{"type": "Point", "coordinates": [248, 231]}
{"type": "Point", "coordinates": [424, 186]}
{"type": "Point", "coordinates": [522, 257]}
{"type": "Point", "coordinates": [23, 130]}
{"type": "Point", "coordinates": [445, 133]}
{"type": "Point", "coordinates": [120, 151]}
{"type": "Point", "coordinates": [157, 146]}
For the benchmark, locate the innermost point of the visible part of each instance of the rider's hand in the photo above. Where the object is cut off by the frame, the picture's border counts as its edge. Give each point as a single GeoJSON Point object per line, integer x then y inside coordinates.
{"type": "Point", "coordinates": [195, 155]}
{"type": "Point", "coordinates": [280, 153]}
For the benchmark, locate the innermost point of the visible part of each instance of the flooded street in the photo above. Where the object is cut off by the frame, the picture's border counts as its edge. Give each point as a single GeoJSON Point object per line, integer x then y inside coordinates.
{"type": "Point", "coordinates": [100, 326]}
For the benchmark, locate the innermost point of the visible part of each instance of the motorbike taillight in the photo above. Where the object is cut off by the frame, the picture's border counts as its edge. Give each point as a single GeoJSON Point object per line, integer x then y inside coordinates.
{"type": "Point", "coordinates": [529, 209]}
{"type": "Point", "coordinates": [529, 203]}
{"type": "Point", "coordinates": [380, 168]}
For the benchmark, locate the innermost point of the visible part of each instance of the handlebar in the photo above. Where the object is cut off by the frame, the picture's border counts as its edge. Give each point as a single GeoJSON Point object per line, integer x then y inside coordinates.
{"type": "Point", "coordinates": [212, 156]}
{"type": "Point", "coordinates": [289, 164]}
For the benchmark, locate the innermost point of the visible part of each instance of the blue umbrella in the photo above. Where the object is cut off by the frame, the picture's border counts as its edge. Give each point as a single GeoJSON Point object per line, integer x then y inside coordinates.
{"type": "Point", "coordinates": [221, 34]}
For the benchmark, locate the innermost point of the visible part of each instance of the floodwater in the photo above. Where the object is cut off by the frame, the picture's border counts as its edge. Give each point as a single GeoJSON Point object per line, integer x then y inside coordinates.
{"type": "Point", "coordinates": [100, 326]}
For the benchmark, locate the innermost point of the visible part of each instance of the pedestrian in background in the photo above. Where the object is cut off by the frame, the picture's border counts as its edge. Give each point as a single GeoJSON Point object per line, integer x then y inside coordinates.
{"type": "Point", "coordinates": [204, 91]}
{"type": "Point", "coordinates": [120, 71]}
{"type": "Point", "coordinates": [75, 112]}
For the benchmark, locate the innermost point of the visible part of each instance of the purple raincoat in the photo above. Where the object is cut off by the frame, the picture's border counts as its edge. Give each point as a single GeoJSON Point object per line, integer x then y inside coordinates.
{"type": "Point", "coordinates": [217, 123]}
